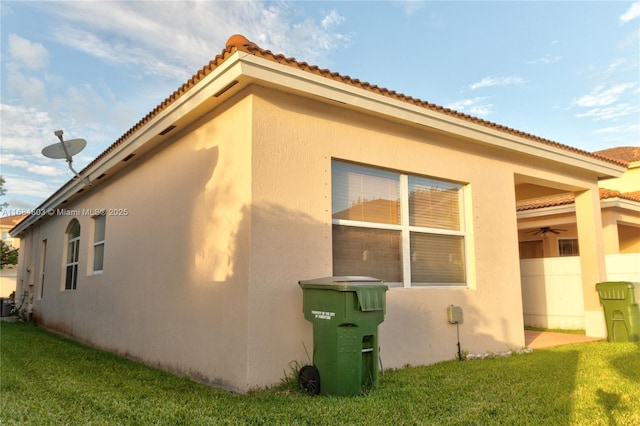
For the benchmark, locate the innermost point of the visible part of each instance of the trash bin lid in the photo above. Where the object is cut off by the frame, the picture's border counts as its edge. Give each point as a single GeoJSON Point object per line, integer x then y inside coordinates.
{"type": "Point", "coordinates": [616, 290]}
{"type": "Point", "coordinates": [340, 283]}
{"type": "Point", "coordinates": [370, 291]}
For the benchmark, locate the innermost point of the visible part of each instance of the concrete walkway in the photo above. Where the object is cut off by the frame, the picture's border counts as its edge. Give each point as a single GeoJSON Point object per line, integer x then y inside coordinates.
{"type": "Point", "coordinates": [546, 339]}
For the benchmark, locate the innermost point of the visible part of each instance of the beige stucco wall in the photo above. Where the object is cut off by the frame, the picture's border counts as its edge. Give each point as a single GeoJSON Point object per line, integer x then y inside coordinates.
{"type": "Point", "coordinates": [8, 275]}
{"type": "Point", "coordinates": [7, 282]}
{"type": "Point", "coordinates": [629, 182]}
{"type": "Point", "coordinates": [201, 276]}
{"type": "Point", "coordinates": [301, 137]}
{"type": "Point", "coordinates": [175, 284]}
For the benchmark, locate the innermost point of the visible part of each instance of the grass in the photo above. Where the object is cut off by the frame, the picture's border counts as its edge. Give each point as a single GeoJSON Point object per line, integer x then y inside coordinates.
{"type": "Point", "coordinates": [556, 330]}
{"type": "Point", "coordinates": [47, 379]}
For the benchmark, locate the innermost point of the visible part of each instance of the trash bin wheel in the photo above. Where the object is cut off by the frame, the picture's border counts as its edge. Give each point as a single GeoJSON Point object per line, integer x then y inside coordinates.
{"type": "Point", "coordinates": [309, 380]}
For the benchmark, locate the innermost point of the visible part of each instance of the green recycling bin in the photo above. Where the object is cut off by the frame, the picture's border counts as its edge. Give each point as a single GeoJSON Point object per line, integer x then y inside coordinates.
{"type": "Point", "coordinates": [345, 312]}
{"type": "Point", "coordinates": [621, 310]}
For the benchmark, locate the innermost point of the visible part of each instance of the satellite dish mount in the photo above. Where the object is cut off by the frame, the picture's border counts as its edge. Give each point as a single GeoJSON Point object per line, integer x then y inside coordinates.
{"type": "Point", "coordinates": [66, 150]}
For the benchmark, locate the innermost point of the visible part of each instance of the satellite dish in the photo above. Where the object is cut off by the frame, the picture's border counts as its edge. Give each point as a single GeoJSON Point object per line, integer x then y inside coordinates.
{"type": "Point", "coordinates": [66, 150]}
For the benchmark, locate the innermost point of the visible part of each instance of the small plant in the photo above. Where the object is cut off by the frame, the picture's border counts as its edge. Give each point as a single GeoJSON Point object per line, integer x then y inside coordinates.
{"type": "Point", "coordinates": [462, 355]}
{"type": "Point", "coordinates": [19, 310]}
{"type": "Point", "coordinates": [289, 382]}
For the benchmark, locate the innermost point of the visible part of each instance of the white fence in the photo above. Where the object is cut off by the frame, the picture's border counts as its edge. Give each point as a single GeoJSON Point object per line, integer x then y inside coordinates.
{"type": "Point", "coordinates": [552, 288]}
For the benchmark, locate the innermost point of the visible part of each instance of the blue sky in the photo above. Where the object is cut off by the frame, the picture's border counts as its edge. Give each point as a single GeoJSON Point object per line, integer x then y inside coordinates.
{"type": "Point", "coordinates": [565, 71]}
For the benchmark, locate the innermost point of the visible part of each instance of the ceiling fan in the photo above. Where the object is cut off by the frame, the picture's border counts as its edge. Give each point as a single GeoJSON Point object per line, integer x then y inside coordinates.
{"type": "Point", "coordinates": [546, 229]}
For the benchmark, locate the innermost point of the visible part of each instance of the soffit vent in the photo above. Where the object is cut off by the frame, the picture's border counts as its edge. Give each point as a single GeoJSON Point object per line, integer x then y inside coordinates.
{"type": "Point", "coordinates": [167, 130]}
{"type": "Point", "coordinates": [225, 88]}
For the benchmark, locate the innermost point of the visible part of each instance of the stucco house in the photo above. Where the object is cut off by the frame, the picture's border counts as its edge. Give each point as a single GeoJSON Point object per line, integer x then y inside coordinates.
{"type": "Point", "coordinates": [186, 250]}
{"type": "Point", "coordinates": [547, 225]}
{"type": "Point", "coordinates": [549, 245]}
{"type": "Point", "coordinates": [8, 274]}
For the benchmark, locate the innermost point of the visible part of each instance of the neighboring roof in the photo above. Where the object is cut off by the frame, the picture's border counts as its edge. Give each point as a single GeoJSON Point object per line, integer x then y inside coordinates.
{"type": "Point", "coordinates": [628, 154]}
{"type": "Point", "coordinates": [12, 220]}
{"type": "Point", "coordinates": [240, 43]}
{"type": "Point", "coordinates": [566, 199]}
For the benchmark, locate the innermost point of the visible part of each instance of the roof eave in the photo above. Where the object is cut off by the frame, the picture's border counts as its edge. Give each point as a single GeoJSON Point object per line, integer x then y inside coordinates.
{"type": "Point", "coordinates": [180, 113]}
{"type": "Point", "coordinates": [245, 68]}
{"type": "Point", "coordinates": [606, 203]}
{"type": "Point", "coordinates": [293, 79]}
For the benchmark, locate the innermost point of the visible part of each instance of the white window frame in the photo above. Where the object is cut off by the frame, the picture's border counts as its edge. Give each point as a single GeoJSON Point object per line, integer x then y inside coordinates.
{"type": "Point", "coordinates": [73, 244]}
{"type": "Point", "coordinates": [406, 229]}
{"type": "Point", "coordinates": [97, 243]}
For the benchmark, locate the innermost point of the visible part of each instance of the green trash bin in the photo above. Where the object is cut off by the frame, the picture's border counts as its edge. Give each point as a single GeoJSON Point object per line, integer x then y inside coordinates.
{"type": "Point", "coordinates": [345, 312]}
{"type": "Point", "coordinates": [621, 310]}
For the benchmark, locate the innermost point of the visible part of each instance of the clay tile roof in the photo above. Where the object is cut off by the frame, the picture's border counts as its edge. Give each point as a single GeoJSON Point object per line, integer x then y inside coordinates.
{"type": "Point", "coordinates": [627, 154]}
{"type": "Point", "coordinates": [238, 42]}
{"type": "Point", "coordinates": [558, 200]}
{"type": "Point", "coordinates": [566, 199]}
{"type": "Point", "coordinates": [631, 196]}
{"type": "Point", "coordinates": [12, 220]}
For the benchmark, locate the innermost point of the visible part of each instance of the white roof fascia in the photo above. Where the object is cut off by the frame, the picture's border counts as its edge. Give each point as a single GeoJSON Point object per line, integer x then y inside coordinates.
{"type": "Point", "coordinates": [546, 211]}
{"type": "Point", "coordinates": [304, 81]}
{"type": "Point", "coordinates": [215, 81]}
{"type": "Point", "coordinates": [621, 203]}
{"type": "Point", "coordinates": [218, 79]}
{"type": "Point", "coordinates": [571, 208]}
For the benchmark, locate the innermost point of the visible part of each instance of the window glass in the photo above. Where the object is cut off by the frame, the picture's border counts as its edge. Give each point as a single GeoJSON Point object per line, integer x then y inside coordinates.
{"type": "Point", "coordinates": [568, 247]}
{"type": "Point", "coordinates": [365, 194]}
{"type": "Point", "coordinates": [98, 242]}
{"type": "Point", "coordinates": [437, 259]}
{"type": "Point", "coordinates": [98, 256]}
{"type": "Point", "coordinates": [74, 230]}
{"type": "Point", "coordinates": [99, 228]}
{"type": "Point", "coordinates": [73, 254]}
{"type": "Point", "coordinates": [397, 227]}
{"type": "Point", "coordinates": [369, 252]}
{"type": "Point", "coordinates": [434, 204]}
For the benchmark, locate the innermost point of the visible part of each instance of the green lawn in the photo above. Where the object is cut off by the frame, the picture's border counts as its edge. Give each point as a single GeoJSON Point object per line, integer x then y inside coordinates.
{"type": "Point", "coordinates": [46, 379]}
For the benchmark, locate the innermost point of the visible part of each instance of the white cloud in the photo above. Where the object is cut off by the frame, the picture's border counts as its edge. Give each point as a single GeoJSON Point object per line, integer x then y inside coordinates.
{"type": "Point", "coordinates": [26, 187]}
{"type": "Point", "coordinates": [332, 19]}
{"type": "Point", "coordinates": [619, 129]}
{"type": "Point", "coordinates": [411, 6]}
{"type": "Point", "coordinates": [546, 59]}
{"type": "Point", "coordinates": [29, 163]}
{"type": "Point", "coordinates": [176, 38]}
{"type": "Point", "coordinates": [32, 56]}
{"type": "Point", "coordinates": [623, 135]}
{"type": "Point", "coordinates": [601, 96]}
{"type": "Point", "coordinates": [615, 65]}
{"type": "Point", "coordinates": [31, 90]}
{"type": "Point", "coordinates": [474, 106]}
{"type": "Point", "coordinates": [24, 130]}
{"type": "Point", "coordinates": [496, 81]}
{"type": "Point", "coordinates": [610, 113]}
{"type": "Point", "coordinates": [632, 13]}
